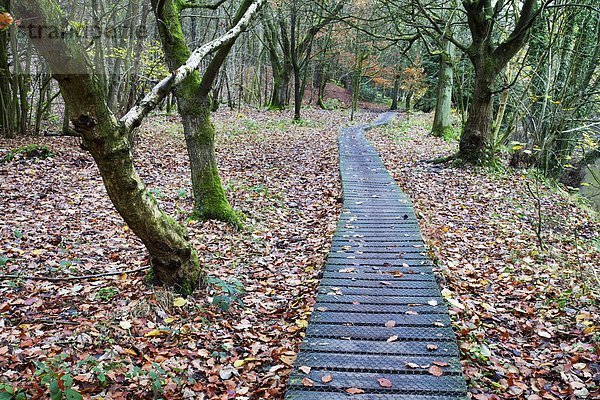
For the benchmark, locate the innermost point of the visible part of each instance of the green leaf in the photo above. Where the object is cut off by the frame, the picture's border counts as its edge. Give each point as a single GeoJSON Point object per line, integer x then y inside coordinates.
{"type": "Point", "coordinates": [55, 392]}
{"type": "Point", "coordinates": [3, 261]}
{"type": "Point", "coordinates": [67, 380]}
{"type": "Point", "coordinates": [485, 351]}
{"type": "Point", "coordinates": [71, 394]}
{"type": "Point", "coordinates": [5, 395]}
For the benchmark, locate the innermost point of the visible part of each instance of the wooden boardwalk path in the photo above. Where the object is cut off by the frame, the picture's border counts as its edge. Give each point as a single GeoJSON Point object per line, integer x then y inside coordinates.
{"type": "Point", "coordinates": [379, 312]}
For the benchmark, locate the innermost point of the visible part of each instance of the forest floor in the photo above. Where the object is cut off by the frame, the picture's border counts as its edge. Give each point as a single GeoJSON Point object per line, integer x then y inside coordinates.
{"type": "Point", "coordinates": [526, 318]}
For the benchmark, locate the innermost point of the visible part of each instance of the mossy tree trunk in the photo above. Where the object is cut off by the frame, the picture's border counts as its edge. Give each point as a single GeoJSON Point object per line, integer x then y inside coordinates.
{"type": "Point", "coordinates": [281, 65]}
{"type": "Point", "coordinates": [442, 120]}
{"type": "Point", "coordinates": [280, 98]}
{"type": "Point", "coordinates": [488, 59]}
{"type": "Point", "coordinates": [475, 138]}
{"type": "Point", "coordinates": [194, 106]}
{"type": "Point", "coordinates": [173, 260]}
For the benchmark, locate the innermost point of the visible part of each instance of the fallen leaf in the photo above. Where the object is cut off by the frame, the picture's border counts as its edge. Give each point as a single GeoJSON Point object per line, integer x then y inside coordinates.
{"type": "Point", "coordinates": [544, 334]}
{"type": "Point", "coordinates": [354, 390]}
{"type": "Point", "coordinates": [226, 372]}
{"type": "Point", "coordinates": [305, 369]}
{"type": "Point", "coordinates": [179, 302]}
{"type": "Point", "coordinates": [390, 324]}
{"type": "Point", "coordinates": [302, 323]}
{"type": "Point", "coordinates": [156, 332]}
{"type": "Point", "coordinates": [384, 382]}
{"type": "Point", "coordinates": [432, 347]}
{"type": "Point", "coordinates": [125, 324]}
{"type": "Point", "coordinates": [435, 370]}
{"type": "Point", "coordinates": [238, 363]}
{"type": "Point", "coordinates": [307, 382]}
{"type": "Point", "coordinates": [289, 360]}
{"type": "Point", "coordinates": [392, 338]}
{"type": "Point", "coordinates": [327, 378]}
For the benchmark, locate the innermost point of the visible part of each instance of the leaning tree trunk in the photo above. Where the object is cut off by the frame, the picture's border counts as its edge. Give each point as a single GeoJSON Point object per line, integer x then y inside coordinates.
{"type": "Point", "coordinates": [475, 138]}
{"type": "Point", "coordinates": [442, 120]}
{"type": "Point", "coordinates": [173, 260]}
{"type": "Point", "coordinates": [194, 108]}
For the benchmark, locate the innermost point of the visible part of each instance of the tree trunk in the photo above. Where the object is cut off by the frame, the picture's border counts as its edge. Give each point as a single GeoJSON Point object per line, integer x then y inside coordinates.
{"type": "Point", "coordinates": [7, 128]}
{"type": "Point", "coordinates": [442, 121]}
{"type": "Point", "coordinates": [210, 201]}
{"type": "Point", "coordinates": [295, 63]}
{"type": "Point", "coordinates": [408, 102]}
{"type": "Point", "coordinates": [488, 60]}
{"type": "Point", "coordinates": [194, 106]}
{"type": "Point", "coordinates": [323, 78]}
{"type": "Point", "coordinates": [475, 138]}
{"type": "Point", "coordinates": [280, 98]}
{"type": "Point", "coordinates": [173, 260]}
{"type": "Point", "coordinates": [395, 94]}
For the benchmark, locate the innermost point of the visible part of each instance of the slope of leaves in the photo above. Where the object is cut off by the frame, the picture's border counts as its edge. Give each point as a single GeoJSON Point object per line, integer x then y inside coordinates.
{"type": "Point", "coordinates": [527, 319]}
{"type": "Point", "coordinates": [121, 339]}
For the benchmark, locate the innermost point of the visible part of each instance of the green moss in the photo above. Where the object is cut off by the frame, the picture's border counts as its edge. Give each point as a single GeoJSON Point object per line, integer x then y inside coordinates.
{"type": "Point", "coordinates": [446, 132]}
{"type": "Point", "coordinates": [213, 204]}
{"type": "Point", "coordinates": [193, 277]}
{"type": "Point", "coordinates": [150, 277]}
{"type": "Point", "coordinates": [185, 279]}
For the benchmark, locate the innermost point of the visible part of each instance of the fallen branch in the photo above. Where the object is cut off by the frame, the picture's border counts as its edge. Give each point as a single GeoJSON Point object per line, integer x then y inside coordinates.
{"type": "Point", "coordinates": [52, 322]}
{"type": "Point", "coordinates": [442, 160]}
{"type": "Point", "coordinates": [71, 278]}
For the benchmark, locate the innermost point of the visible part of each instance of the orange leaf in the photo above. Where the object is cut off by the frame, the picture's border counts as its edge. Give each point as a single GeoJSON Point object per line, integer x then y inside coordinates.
{"type": "Point", "coordinates": [441, 363]}
{"type": "Point", "coordinates": [6, 20]}
{"type": "Point", "coordinates": [435, 371]}
{"type": "Point", "coordinates": [307, 382]}
{"type": "Point", "coordinates": [386, 383]}
{"type": "Point", "coordinates": [327, 378]}
{"type": "Point", "coordinates": [354, 391]}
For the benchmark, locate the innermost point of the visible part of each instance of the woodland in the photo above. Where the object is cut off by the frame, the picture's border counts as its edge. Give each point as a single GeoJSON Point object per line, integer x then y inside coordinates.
{"type": "Point", "coordinates": [169, 186]}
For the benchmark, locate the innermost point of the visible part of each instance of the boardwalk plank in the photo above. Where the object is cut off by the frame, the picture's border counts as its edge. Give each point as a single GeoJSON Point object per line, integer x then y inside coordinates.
{"type": "Point", "coordinates": [379, 309]}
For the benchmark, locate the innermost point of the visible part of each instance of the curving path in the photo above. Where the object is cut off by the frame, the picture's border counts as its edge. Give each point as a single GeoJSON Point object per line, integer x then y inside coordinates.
{"type": "Point", "coordinates": [380, 329]}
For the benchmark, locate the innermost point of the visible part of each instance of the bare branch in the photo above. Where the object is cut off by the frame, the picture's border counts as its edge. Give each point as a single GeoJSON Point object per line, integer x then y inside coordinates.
{"type": "Point", "coordinates": [134, 117]}
{"type": "Point", "coordinates": [195, 4]}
